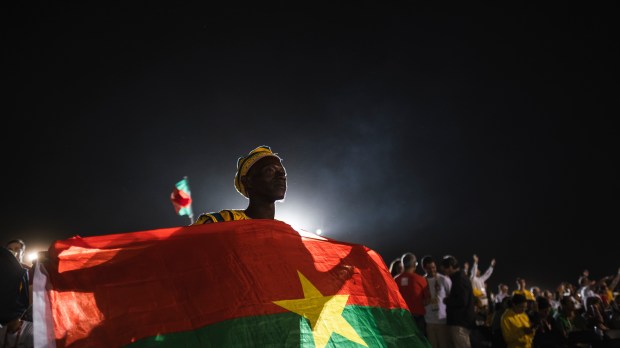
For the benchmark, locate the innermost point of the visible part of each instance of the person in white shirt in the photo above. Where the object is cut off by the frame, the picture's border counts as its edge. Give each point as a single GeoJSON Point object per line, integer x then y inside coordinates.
{"type": "Point", "coordinates": [478, 281]}
{"type": "Point", "coordinates": [439, 286]}
{"type": "Point", "coordinates": [586, 288]}
{"type": "Point", "coordinates": [503, 292]}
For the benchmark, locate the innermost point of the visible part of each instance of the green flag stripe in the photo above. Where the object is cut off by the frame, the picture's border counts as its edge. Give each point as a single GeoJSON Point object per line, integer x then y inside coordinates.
{"type": "Point", "coordinates": [185, 211]}
{"type": "Point", "coordinates": [183, 186]}
{"type": "Point", "coordinates": [378, 327]}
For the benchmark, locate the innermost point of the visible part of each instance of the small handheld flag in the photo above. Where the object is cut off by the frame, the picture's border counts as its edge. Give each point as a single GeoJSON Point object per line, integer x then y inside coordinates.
{"type": "Point", "coordinates": [181, 198]}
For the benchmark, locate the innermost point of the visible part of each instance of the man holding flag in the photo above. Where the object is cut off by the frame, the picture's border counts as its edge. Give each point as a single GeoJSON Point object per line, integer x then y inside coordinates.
{"type": "Point", "coordinates": [252, 283]}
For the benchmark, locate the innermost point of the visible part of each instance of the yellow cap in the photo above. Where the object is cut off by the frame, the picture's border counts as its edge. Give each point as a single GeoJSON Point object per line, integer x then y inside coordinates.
{"type": "Point", "coordinates": [245, 163]}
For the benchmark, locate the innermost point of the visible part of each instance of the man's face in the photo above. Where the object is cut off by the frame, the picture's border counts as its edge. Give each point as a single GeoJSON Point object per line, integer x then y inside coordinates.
{"type": "Point", "coordinates": [431, 269]}
{"type": "Point", "coordinates": [267, 179]}
{"type": "Point", "coordinates": [17, 249]}
{"type": "Point", "coordinates": [504, 288]}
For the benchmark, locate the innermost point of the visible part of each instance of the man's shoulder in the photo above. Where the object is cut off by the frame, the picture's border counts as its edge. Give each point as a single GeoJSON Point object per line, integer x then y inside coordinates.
{"type": "Point", "coordinates": [221, 216]}
{"type": "Point", "coordinates": [443, 277]}
{"type": "Point", "coordinates": [414, 276]}
{"type": "Point", "coordinates": [418, 277]}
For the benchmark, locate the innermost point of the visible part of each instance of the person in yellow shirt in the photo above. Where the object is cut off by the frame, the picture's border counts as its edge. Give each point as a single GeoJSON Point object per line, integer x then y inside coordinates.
{"type": "Point", "coordinates": [515, 324]}
{"type": "Point", "coordinates": [522, 290]}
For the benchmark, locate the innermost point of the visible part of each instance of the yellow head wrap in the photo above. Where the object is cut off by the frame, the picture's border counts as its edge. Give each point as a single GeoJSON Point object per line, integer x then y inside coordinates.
{"type": "Point", "coordinates": [245, 163]}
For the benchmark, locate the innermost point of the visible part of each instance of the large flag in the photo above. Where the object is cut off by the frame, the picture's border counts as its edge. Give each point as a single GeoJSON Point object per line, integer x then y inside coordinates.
{"type": "Point", "coordinates": [181, 198]}
{"type": "Point", "coordinates": [251, 283]}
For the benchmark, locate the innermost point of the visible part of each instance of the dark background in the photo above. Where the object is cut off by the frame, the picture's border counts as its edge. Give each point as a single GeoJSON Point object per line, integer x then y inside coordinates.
{"type": "Point", "coordinates": [404, 126]}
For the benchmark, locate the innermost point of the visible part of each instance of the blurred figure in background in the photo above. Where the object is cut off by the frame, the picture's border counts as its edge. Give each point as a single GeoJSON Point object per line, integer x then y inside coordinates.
{"type": "Point", "coordinates": [564, 318]}
{"type": "Point", "coordinates": [586, 287]}
{"type": "Point", "coordinates": [396, 267]}
{"type": "Point", "coordinates": [535, 290]}
{"type": "Point", "coordinates": [459, 303]}
{"type": "Point", "coordinates": [18, 248]}
{"type": "Point", "coordinates": [502, 293]}
{"type": "Point", "coordinates": [522, 290]}
{"type": "Point", "coordinates": [439, 287]}
{"type": "Point", "coordinates": [15, 330]}
{"type": "Point", "coordinates": [414, 289]}
{"type": "Point", "coordinates": [516, 328]}
{"type": "Point", "coordinates": [546, 333]}
{"type": "Point", "coordinates": [478, 281]}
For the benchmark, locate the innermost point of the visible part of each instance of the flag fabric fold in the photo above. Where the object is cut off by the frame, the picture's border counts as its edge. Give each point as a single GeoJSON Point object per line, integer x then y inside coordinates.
{"type": "Point", "coordinates": [252, 283]}
{"type": "Point", "coordinates": [181, 198]}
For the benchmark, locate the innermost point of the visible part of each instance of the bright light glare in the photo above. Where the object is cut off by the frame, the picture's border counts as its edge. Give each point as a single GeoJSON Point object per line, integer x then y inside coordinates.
{"type": "Point", "coordinates": [318, 231]}
{"type": "Point", "coordinates": [298, 221]}
{"type": "Point", "coordinates": [33, 256]}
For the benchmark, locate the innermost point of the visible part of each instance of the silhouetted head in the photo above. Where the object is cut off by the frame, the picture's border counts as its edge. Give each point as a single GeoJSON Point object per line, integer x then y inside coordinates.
{"type": "Point", "coordinates": [567, 304]}
{"type": "Point", "coordinates": [449, 264]}
{"type": "Point", "coordinates": [543, 304]}
{"type": "Point", "coordinates": [518, 303]}
{"type": "Point", "coordinates": [409, 261]}
{"type": "Point", "coordinates": [396, 267]}
{"type": "Point", "coordinates": [17, 247]}
{"type": "Point", "coordinates": [261, 175]}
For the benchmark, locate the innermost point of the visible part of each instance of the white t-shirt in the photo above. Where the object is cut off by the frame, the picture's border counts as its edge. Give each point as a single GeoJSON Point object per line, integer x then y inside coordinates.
{"type": "Point", "coordinates": [439, 287]}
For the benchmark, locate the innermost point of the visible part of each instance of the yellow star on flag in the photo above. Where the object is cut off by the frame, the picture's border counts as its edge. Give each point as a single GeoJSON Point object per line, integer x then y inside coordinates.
{"type": "Point", "coordinates": [323, 312]}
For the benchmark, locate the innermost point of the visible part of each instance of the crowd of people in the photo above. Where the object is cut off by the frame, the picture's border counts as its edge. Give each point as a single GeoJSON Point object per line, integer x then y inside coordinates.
{"type": "Point", "coordinates": [453, 306]}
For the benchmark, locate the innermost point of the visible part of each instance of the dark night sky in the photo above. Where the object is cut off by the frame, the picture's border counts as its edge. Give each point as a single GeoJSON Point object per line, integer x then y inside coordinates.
{"type": "Point", "coordinates": [404, 126]}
